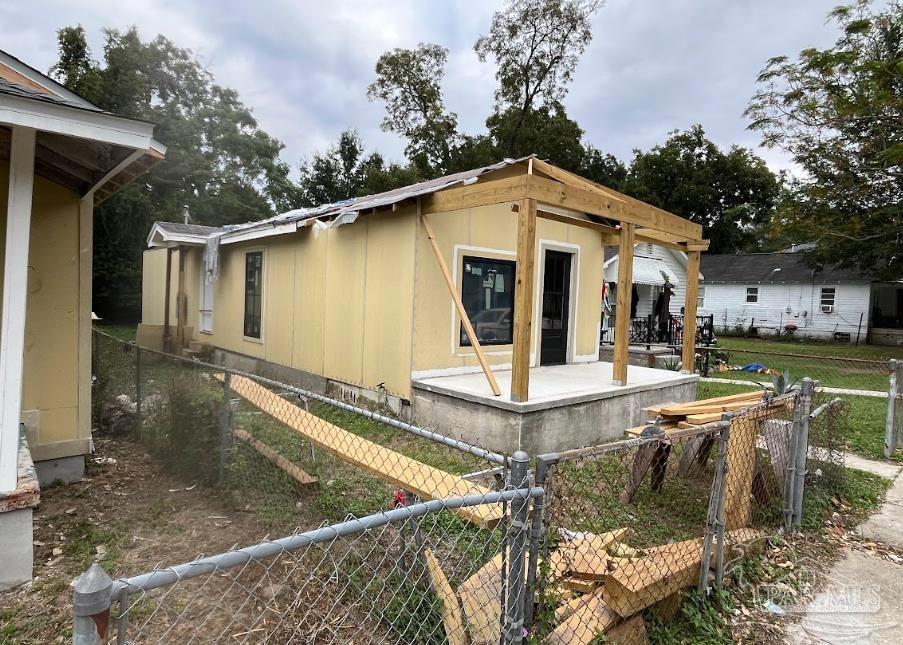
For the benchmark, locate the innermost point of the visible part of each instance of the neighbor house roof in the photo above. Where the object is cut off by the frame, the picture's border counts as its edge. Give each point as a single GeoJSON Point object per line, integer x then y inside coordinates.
{"type": "Point", "coordinates": [167, 233]}
{"type": "Point", "coordinates": [78, 145]}
{"type": "Point", "coordinates": [770, 267]}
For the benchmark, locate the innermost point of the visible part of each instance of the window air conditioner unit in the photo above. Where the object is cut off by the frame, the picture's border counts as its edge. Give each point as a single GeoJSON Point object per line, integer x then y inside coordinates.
{"type": "Point", "coordinates": [827, 309]}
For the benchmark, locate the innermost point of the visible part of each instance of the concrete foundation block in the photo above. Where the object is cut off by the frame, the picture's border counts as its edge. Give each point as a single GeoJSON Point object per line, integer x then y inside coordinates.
{"type": "Point", "coordinates": [65, 469]}
{"type": "Point", "coordinates": [16, 548]}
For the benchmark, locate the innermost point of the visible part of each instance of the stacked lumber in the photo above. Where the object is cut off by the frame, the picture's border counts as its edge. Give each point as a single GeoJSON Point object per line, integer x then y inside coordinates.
{"type": "Point", "coordinates": [653, 576]}
{"type": "Point", "coordinates": [676, 416]}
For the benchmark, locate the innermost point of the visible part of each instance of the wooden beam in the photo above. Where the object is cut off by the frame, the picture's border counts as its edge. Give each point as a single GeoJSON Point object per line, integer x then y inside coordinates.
{"type": "Point", "coordinates": [452, 616]}
{"type": "Point", "coordinates": [633, 211]}
{"type": "Point", "coordinates": [15, 294]}
{"type": "Point", "coordinates": [459, 306]}
{"type": "Point", "coordinates": [481, 193]}
{"type": "Point", "coordinates": [574, 180]}
{"type": "Point", "coordinates": [610, 233]}
{"type": "Point", "coordinates": [399, 470]}
{"type": "Point", "coordinates": [290, 468]}
{"type": "Point", "coordinates": [689, 331]}
{"type": "Point", "coordinates": [622, 315]}
{"type": "Point", "coordinates": [523, 301]}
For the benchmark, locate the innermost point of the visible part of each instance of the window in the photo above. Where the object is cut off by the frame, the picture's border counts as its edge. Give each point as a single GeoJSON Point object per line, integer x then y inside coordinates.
{"type": "Point", "coordinates": [253, 293]}
{"type": "Point", "coordinates": [700, 297]}
{"type": "Point", "coordinates": [487, 291]}
{"type": "Point", "coordinates": [827, 299]}
{"type": "Point", "coordinates": [752, 294]}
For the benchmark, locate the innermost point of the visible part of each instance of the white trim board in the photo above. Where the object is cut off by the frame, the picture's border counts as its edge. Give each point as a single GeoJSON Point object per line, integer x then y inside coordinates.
{"type": "Point", "coordinates": [15, 286]}
{"type": "Point", "coordinates": [76, 122]}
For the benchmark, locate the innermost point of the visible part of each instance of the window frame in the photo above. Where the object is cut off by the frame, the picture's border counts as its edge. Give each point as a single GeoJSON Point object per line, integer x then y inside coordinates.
{"type": "Point", "coordinates": [259, 296]}
{"type": "Point", "coordinates": [755, 294]}
{"type": "Point", "coordinates": [700, 297]}
{"type": "Point", "coordinates": [821, 298]}
{"type": "Point", "coordinates": [463, 341]}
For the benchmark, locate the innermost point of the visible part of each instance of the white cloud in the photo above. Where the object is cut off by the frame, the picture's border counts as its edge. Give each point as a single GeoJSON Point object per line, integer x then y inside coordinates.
{"type": "Point", "coordinates": [304, 67]}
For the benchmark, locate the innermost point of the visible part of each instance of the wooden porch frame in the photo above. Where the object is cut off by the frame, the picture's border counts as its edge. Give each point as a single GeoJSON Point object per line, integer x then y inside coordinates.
{"type": "Point", "coordinates": [628, 220]}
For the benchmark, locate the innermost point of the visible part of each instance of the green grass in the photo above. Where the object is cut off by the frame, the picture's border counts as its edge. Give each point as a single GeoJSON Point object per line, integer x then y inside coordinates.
{"type": "Point", "coordinates": [122, 332]}
{"type": "Point", "coordinates": [831, 366]}
{"type": "Point", "coordinates": [864, 423]}
{"type": "Point", "coordinates": [815, 347]}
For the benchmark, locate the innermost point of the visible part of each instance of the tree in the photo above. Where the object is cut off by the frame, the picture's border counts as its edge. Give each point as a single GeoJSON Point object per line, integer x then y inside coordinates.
{"type": "Point", "coordinates": [603, 168]}
{"type": "Point", "coordinates": [731, 194]}
{"type": "Point", "coordinates": [839, 113]}
{"type": "Point", "coordinates": [219, 165]}
{"type": "Point", "coordinates": [536, 45]}
{"type": "Point", "coordinates": [546, 131]}
{"type": "Point", "coordinates": [343, 172]}
{"type": "Point", "coordinates": [408, 82]}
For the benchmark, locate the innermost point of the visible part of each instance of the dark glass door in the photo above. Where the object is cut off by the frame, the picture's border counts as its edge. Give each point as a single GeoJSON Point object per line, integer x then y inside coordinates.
{"type": "Point", "coordinates": [555, 306]}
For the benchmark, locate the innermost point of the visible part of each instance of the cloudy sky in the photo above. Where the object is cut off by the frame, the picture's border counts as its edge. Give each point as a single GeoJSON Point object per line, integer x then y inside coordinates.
{"type": "Point", "coordinates": [304, 66]}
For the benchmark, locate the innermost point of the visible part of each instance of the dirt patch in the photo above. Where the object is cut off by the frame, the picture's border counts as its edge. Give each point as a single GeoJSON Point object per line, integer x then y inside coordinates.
{"type": "Point", "coordinates": [130, 516]}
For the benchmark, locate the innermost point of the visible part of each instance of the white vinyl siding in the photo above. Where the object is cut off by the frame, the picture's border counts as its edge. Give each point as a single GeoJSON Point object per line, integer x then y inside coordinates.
{"type": "Point", "coordinates": [800, 304]}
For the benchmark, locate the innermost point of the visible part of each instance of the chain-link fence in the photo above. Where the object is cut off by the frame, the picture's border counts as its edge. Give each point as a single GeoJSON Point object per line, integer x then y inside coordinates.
{"type": "Point", "coordinates": [616, 532]}
{"type": "Point", "coordinates": [754, 366]}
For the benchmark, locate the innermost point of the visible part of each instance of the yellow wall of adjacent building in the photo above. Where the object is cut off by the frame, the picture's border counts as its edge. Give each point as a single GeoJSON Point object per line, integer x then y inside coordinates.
{"type": "Point", "coordinates": [52, 372]}
{"type": "Point", "coordinates": [491, 231]}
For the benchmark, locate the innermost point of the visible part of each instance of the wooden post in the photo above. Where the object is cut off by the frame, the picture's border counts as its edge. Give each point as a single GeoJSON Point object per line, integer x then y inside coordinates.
{"type": "Point", "coordinates": [523, 301]}
{"type": "Point", "coordinates": [166, 296]}
{"type": "Point", "coordinates": [689, 332]}
{"type": "Point", "coordinates": [181, 301]}
{"type": "Point", "coordinates": [622, 315]}
{"type": "Point", "coordinates": [462, 313]}
{"type": "Point", "coordinates": [15, 290]}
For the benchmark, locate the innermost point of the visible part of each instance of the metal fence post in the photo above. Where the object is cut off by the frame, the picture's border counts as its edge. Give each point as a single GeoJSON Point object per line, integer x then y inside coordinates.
{"type": "Point", "coordinates": [138, 384]}
{"type": "Point", "coordinates": [890, 440]}
{"type": "Point", "coordinates": [715, 516]}
{"type": "Point", "coordinates": [802, 450]}
{"type": "Point", "coordinates": [225, 426]}
{"type": "Point", "coordinates": [517, 532]}
{"type": "Point", "coordinates": [92, 595]}
{"type": "Point", "coordinates": [790, 474]}
{"type": "Point", "coordinates": [537, 529]}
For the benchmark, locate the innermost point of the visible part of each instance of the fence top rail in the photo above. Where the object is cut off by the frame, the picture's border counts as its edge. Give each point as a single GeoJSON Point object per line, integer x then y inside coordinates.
{"type": "Point", "coordinates": [270, 548]}
{"type": "Point", "coordinates": [626, 444]}
{"type": "Point", "coordinates": [451, 442]}
{"type": "Point", "coordinates": [843, 359]}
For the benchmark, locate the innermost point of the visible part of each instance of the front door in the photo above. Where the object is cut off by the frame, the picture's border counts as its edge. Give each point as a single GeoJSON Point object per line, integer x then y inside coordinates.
{"type": "Point", "coordinates": [555, 306]}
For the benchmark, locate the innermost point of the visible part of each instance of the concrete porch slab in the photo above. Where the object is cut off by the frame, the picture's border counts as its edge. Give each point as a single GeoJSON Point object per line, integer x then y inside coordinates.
{"type": "Point", "coordinates": [554, 385]}
{"type": "Point", "coordinates": [570, 406]}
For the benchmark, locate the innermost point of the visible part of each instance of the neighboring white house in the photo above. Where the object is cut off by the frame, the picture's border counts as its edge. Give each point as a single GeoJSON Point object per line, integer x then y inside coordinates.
{"type": "Point", "coordinates": [772, 290]}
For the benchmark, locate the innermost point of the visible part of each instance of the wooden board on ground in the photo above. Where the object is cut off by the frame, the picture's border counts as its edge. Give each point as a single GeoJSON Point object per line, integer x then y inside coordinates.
{"type": "Point", "coordinates": [481, 602]}
{"type": "Point", "coordinates": [588, 620]}
{"type": "Point", "coordinates": [585, 557]}
{"type": "Point", "coordinates": [452, 618]}
{"type": "Point", "coordinates": [291, 469]}
{"type": "Point", "coordinates": [629, 632]}
{"type": "Point", "coordinates": [665, 427]}
{"type": "Point", "coordinates": [663, 571]}
{"type": "Point", "coordinates": [428, 482]}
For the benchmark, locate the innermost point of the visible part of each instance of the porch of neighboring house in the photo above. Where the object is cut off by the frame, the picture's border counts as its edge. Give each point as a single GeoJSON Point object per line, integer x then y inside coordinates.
{"type": "Point", "coordinates": [886, 323]}
{"type": "Point", "coordinates": [569, 406]}
{"type": "Point", "coordinates": [59, 157]}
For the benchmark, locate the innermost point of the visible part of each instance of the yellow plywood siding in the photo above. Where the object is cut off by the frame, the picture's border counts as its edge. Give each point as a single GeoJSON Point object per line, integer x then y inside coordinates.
{"type": "Point", "coordinates": [389, 297]}
{"type": "Point", "coordinates": [50, 397]}
{"type": "Point", "coordinates": [153, 267]}
{"type": "Point", "coordinates": [337, 303]}
{"type": "Point", "coordinates": [490, 231]}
